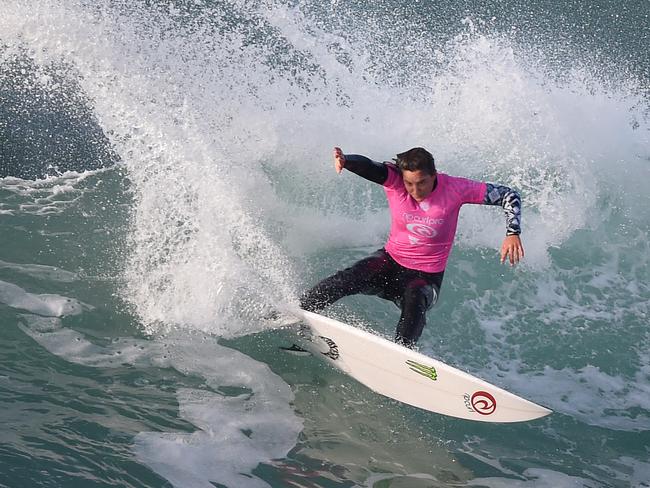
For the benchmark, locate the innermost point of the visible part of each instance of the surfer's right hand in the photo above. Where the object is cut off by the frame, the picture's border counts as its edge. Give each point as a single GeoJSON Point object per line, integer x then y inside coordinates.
{"type": "Point", "coordinates": [339, 159]}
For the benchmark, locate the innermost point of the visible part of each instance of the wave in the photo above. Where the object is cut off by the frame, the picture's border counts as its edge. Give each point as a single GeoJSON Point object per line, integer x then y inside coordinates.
{"type": "Point", "coordinates": [225, 115]}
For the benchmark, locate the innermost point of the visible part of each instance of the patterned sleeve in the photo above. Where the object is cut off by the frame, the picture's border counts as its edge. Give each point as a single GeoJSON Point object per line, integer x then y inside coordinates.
{"type": "Point", "coordinates": [510, 200]}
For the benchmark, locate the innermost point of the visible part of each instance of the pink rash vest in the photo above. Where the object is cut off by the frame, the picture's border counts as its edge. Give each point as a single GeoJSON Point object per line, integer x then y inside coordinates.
{"type": "Point", "coordinates": [422, 234]}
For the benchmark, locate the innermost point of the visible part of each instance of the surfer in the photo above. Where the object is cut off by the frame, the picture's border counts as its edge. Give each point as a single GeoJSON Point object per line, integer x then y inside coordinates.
{"type": "Point", "coordinates": [424, 207]}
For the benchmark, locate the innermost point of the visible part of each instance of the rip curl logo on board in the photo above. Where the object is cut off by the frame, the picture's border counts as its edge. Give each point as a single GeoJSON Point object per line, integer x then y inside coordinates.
{"type": "Point", "coordinates": [480, 402]}
{"type": "Point", "coordinates": [333, 353]}
{"type": "Point", "coordinates": [421, 230]}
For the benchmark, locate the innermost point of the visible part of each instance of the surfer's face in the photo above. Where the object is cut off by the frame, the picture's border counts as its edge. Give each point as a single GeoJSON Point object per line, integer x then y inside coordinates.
{"type": "Point", "coordinates": [419, 184]}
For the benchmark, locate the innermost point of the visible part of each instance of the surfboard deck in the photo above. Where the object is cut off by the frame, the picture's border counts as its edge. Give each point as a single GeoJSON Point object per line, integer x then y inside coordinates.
{"type": "Point", "coordinates": [410, 377]}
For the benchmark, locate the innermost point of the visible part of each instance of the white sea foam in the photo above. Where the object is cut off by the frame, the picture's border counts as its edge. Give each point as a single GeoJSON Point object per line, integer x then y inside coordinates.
{"type": "Point", "coordinates": [537, 478]}
{"type": "Point", "coordinates": [50, 195]}
{"type": "Point", "coordinates": [572, 312]}
{"type": "Point", "coordinates": [588, 394]}
{"type": "Point", "coordinates": [41, 271]}
{"type": "Point", "coordinates": [234, 433]}
{"type": "Point", "coordinates": [632, 471]}
{"type": "Point", "coordinates": [46, 304]}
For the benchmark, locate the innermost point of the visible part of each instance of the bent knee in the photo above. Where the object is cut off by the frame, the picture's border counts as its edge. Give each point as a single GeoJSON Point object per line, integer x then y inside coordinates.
{"type": "Point", "coordinates": [423, 296]}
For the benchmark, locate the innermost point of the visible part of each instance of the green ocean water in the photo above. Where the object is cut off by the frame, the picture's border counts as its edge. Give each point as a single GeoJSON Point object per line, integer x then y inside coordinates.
{"type": "Point", "coordinates": [166, 179]}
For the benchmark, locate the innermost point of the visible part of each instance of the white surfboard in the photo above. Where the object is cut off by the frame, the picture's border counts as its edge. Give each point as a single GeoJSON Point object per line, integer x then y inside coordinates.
{"type": "Point", "coordinates": [413, 378]}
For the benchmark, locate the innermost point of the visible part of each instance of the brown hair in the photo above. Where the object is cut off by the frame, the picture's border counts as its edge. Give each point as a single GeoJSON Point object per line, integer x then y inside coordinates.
{"type": "Point", "coordinates": [416, 159]}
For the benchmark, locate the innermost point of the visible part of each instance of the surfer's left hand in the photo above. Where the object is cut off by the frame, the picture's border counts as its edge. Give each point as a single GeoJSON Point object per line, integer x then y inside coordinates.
{"type": "Point", "coordinates": [512, 249]}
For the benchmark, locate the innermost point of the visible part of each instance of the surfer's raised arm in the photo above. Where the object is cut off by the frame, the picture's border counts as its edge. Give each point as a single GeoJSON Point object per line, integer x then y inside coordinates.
{"type": "Point", "coordinates": [360, 165]}
{"type": "Point", "coordinates": [510, 200]}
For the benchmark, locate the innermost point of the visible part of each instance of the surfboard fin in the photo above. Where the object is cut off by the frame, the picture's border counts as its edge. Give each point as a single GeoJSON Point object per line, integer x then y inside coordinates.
{"type": "Point", "coordinates": [296, 349]}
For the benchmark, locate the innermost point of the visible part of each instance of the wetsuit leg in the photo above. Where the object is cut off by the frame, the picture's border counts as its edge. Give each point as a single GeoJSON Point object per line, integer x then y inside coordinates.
{"type": "Point", "coordinates": [365, 277]}
{"type": "Point", "coordinates": [420, 293]}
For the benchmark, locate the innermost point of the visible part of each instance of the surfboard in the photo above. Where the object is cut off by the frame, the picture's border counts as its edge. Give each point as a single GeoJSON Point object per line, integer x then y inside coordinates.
{"type": "Point", "coordinates": [410, 377]}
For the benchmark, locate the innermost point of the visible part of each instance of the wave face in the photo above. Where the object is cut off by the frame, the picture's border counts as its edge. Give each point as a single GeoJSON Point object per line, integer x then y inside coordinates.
{"type": "Point", "coordinates": [166, 180]}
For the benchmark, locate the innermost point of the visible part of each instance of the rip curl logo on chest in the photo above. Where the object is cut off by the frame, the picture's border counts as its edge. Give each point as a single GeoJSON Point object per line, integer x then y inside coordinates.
{"type": "Point", "coordinates": [421, 230]}
{"type": "Point", "coordinates": [421, 227]}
